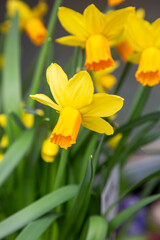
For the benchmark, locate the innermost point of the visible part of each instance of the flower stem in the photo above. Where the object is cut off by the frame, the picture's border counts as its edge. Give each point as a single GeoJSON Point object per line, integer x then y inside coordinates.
{"type": "Point", "coordinates": [139, 102]}
{"type": "Point", "coordinates": [61, 168]}
{"type": "Point", "coordinates": [44, 50]}
{"type": "Point", "coordinates": [123, 77]}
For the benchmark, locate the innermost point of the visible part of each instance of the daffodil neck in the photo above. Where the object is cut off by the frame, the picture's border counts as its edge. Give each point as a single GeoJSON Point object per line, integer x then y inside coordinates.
{"type": "Point", "coordinates": [66, 130]}
{"type": "Point", "coordinates": [98, 54]}
{"type": "Point", "coordinates": [148, 72]}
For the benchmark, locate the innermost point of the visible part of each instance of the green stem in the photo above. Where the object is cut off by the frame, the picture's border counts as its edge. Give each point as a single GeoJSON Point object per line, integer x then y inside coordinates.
{"type": "Point", "coordinates": [122, 77]}
{"type": "Point", "coordinates": [44, 50]}
{"type": "Point", "coordinates": [62, 165]}
{"type": "Point", "coordinates": [139, 102]}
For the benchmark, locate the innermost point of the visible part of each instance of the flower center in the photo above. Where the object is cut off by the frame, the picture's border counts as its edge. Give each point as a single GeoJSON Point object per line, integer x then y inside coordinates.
{"type": "Point", "coordinates": [148, 72]}
{"type": "Point", "coordinates": [66, 130]}
{"type": "Point", "coordinates": [98, 54]}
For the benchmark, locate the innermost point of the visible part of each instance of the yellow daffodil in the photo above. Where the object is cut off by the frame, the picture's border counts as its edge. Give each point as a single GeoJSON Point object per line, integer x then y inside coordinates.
{"type": "Point", "coordinates": [4, 141]}
{"type": "Point", "coordinates": [30, 19]}
{"type": "Point", "coordinates": [77, 104]}
{"type": "Point", "coordinates": [114, 2]}
{"type": "Point", "coordinates": [1, 61]}
{"type": "Point", "coordinates": [103, 79]}
{"type": "Point", "coordinates": [28, 118]}
{"type": "Point", "coordinates": [1, 156]}
{"type": "Point", "coordinates": [145, 40]}
{"type": "Point", "coordinates": [123, 47]}
{"type": "Point", "coordinates": [93, 31]}
{"type": "Point", "coordinates": [49, 150]}
{"type": "Point", "coordinates": [114, 141]}
{"type": "Point", "coordinates": [3, 120]}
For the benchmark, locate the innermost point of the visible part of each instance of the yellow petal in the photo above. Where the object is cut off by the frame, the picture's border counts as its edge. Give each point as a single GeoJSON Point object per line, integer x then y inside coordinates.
{"type": "Point", "coordinates": [156, 30]}
{"type": "Point", "coordinates": [98, 125]}
{"type": "Point", "coordinates": [79, 91]}
{"type": "Point", "coordinates": [94, 19]}
{"type": "Point", "coordinates": [72, 41]}
{"type": "Point", "coordinates": [49, 150]}
{"type": "Point", "coordinates": [138, 33]}
{"type": "Point", "coordinates": [3, 120]}
{"type": "Point", "coordinates": [1, 156]}
{"type": "Point", "coordinates": [22, 8]}
{"type": "Point", "coordinates": [73, 22]}
{"type": "Point", "coordinates": [57, 80]}
{"type": "Point", "coordinates": [115, 22]}
{"type": "Point", "coordinates": [27, 119]}
{"type": "Point", "coordinates": [45, 100]}
{"type": "Point", "coordinates": [103, 105]}
{"type": "Point", "coordinates": [40, 10]}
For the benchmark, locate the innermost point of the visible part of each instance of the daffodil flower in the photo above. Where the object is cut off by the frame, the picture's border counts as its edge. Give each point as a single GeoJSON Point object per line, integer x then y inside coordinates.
{"type": "Point", "coordinates": [114, 2]}
{"type": "Point", "coordinates": [77, 104]}
{"type": "Point", "coordinates": [49, 150]}
{"type": "Point", "coordinates": [123, 46]}
{"type": "Point", "coordinates": [144, 38]}
{"type": "Point", "coordinates": [93, 31]}
{"type": "Point", "coordinates": [1, 157]}
{"type": "Point", "coordinates": [3, 120]}
{"type": "Point", "coordinates": [103, 79]}
{"type": "Point", "coordinates": [28, 118]}
{"type": "Point", "coordinates": [30, 19]}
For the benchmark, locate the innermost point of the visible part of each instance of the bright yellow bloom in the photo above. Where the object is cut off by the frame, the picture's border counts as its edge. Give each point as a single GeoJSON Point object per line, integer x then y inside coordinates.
{"type": "Point", "coordinates": [1, 61]}
{"type": "Point", "coordinates": [93, 31]}
{"type": "Point", "coordinates": [1, 156]}
{"type": "Point", "coordinates": [145, 40]}
{"type": "Point", "coordinates": [114, 141]}
{"type": "Point", "coordinates": [4, 141]}
{"type": "Point", "coordinates": [30, 19]}
{"type": "Point", "coordinates": [3, 120]}
{"type": "Point", "coordinates": [49, 150]}
{"type": "Point", "coordinates": [114, 2]}
{"type": "Point", "coordinates": [103, 79]}
{"type": "Point", "coordinates": [28, 118]}
{"type": "Point", "coordinates": [77, 104]}
{"type": "Point", "coordinates": [123, 47]}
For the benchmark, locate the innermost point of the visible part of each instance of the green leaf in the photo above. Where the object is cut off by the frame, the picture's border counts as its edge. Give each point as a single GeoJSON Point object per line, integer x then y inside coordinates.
{"type": "Point", "coordinates": [35, 229]}
{"type": "Point", "coordinates": [129, 212]}
{"type": "Point", "coordinates": [132, 189]}
{"type": "Point", "coordinates": [97, 228]}
{"type": "Point", "coordinates": [15, 154]}
{"type": "Point", "coordinates": [36, 209]}
{"type": "Point", "coordinates": [80, 203]}
{"type": "Point", "coordinates": [11, 86]}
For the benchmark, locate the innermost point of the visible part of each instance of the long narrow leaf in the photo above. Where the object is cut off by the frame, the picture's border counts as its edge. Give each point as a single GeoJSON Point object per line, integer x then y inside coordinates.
{"type": "Point", "coordinates": [97, 228]}
{"type": "Point", "coordinates": [36, 210]}
{"type": "Point", "coordinates": [126, 214]}
{"type": "Point", "coordinates": [35, 229]}
{"type": "Point", "coordinates": [15, 153]}
{"type": "Point", "coordinates": [11, 87]}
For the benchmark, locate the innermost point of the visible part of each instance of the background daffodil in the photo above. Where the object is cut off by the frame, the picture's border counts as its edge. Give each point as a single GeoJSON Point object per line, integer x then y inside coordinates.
{"type": "Point", "coordinates": [123, 46]}
{"type": "Point", "coordinates": [49, 150]}
{"type": "Point", "coordinates": [77, 104]}
{"type": "Point", "coordinates": [103, 79]}
{"type": "Point", "coordinates": [93, 31]}
{"type": "Point", "coordinates": [114, 2]}
{"type": "Point", "coordinates": [145, 40]}
{"type": "Point", "coordinates": [30, 19]}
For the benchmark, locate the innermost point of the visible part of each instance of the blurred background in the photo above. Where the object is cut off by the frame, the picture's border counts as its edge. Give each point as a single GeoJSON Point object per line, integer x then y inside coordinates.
{"type": "Point", "coordinates": [62, 53]}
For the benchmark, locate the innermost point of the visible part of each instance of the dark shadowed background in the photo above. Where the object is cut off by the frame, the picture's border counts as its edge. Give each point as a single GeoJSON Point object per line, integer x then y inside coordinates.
{"type": "Point", "coordinates": [62, 53]}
